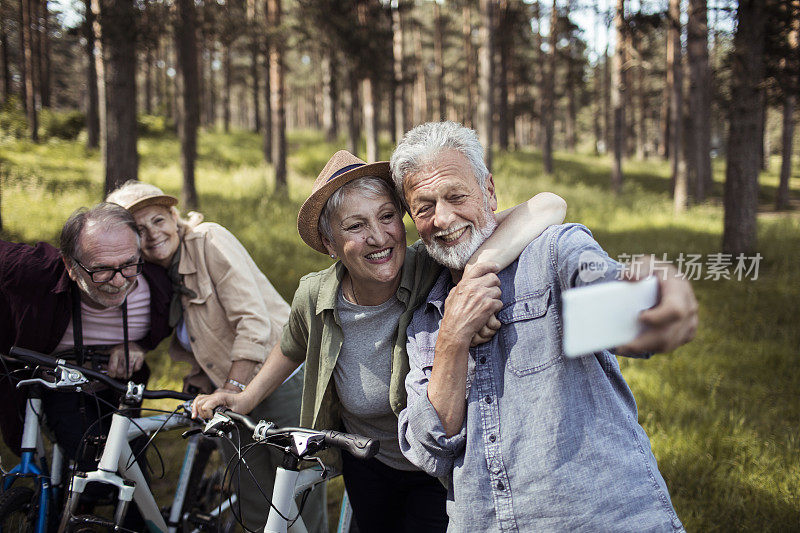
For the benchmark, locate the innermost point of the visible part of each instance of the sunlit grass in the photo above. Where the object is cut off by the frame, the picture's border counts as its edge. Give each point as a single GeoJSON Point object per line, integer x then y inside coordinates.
{"type": "Point", "coordinates": [722, 412]}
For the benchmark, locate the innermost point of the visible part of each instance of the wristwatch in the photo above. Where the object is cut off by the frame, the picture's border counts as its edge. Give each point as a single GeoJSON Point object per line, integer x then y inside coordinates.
{"type": "Point", "coordinates": [235, 383]}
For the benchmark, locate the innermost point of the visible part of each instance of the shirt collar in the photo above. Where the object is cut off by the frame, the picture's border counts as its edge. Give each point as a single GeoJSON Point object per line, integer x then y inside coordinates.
{"type": "Point", "coordinates": [440, 290]}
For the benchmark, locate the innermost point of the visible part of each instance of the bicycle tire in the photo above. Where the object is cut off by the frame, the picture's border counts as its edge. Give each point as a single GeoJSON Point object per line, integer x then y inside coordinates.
{"type": "Point", "coordinates": [18, 510]}
{"type": "Point", "coordinates": [204, 494]}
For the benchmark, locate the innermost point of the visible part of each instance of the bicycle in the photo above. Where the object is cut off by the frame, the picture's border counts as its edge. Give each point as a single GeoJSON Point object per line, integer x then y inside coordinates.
{"type": "Point", "coordinates": [190, 511]}
{"type": "Point", "coordinates": [297, 445]}
{"type": "Point", "coordinates": [22, 507]}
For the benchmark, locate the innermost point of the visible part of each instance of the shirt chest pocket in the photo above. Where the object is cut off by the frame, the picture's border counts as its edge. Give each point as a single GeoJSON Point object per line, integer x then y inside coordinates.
{"type": "Point", "coordinates": [528, 336]}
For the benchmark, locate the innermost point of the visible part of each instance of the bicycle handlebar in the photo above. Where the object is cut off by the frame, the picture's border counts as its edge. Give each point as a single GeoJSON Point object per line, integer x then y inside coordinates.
{"type": "Point", "coordinates": [360, 447]}
{"type": "Point", "coordinates": [30, 356]}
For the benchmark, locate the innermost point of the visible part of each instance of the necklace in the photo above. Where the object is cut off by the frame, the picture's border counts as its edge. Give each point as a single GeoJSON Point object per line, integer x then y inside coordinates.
{"type": "Point", "coordinates": [353, 290]}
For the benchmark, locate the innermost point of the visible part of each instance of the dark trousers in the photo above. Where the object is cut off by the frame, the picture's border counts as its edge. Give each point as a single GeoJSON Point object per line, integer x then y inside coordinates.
{"type": "Point", "coordinates": [385, 499]}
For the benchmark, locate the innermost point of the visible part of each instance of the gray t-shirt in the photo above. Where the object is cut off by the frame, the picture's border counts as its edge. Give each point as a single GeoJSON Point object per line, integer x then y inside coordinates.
{"type": "Point", "coordinates": [362, 374]}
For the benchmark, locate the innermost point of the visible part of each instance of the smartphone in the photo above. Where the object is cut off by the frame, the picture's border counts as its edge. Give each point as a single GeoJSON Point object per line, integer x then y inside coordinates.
{"type": "Point", "coordinates": [604, 315]}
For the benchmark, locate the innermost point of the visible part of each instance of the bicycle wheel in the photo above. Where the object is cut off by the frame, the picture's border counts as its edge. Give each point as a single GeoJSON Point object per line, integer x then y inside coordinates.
{"type": "Point", "coordinates": [18, 510]}
{"type": "Point", "coordinates": [205, 493]}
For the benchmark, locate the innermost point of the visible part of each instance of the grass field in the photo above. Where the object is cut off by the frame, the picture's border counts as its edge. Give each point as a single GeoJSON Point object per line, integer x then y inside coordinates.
{"type": "Point", "coordinates": [722, 412]}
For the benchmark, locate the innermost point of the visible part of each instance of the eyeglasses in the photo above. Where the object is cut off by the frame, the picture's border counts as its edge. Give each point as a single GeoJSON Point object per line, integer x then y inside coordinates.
{"type": "Point", "coordinates": [103, 275]}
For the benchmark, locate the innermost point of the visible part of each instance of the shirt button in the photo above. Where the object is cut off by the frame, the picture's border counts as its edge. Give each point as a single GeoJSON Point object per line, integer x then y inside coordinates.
{"type": "Point", "coordinates": [483, 360]}
{"type": "Point", "coordinates": [492, 437]}
{"type": "Point", "coordinates": [500, 485]}
{"type": "Point", "coordinates": [488, 399]}
{"type": "Point", "coordinates": [210, 365]}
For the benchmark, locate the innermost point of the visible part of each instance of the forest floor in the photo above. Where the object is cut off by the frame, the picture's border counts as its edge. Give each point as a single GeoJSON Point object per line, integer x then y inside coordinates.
{"type": "Point", "coordinates": [722, 412]}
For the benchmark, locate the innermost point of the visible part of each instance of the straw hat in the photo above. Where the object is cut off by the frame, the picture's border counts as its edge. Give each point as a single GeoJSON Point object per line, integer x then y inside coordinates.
{"type": "Point", "coordinates": [135, 195]}
{"type": "Point", "coordinates": [342, 167]}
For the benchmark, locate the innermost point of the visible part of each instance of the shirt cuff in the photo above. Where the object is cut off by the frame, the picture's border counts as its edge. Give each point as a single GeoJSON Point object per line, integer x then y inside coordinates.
{"type": "Point", "coordinates": [244, 350]}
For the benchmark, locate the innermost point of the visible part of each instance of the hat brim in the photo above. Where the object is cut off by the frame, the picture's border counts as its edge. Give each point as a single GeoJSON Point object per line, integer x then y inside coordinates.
{"type": "Point", "coordinates": [308, 217]}
{"type": "Point", "coordinates": [162, 199]}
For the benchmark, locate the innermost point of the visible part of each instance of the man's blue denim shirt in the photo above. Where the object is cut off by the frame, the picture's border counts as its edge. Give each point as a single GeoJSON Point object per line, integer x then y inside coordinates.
{"type": "Point", "coordinates": [549, 443]}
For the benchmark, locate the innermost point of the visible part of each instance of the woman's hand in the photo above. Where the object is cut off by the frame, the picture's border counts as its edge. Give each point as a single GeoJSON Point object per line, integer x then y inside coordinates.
{"type": "Point", "coordinates": [116, 360]}
{"type": "Point", "coordinates": [204, 404]}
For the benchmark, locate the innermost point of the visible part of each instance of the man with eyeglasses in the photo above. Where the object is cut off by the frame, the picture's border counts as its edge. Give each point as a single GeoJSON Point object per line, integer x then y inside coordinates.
{"type": "Point", "coordinates": [93, 291]}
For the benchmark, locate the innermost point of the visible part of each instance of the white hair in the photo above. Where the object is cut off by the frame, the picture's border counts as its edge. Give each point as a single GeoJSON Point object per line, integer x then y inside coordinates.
{"type": "Point", "coordinates": [422, 144]}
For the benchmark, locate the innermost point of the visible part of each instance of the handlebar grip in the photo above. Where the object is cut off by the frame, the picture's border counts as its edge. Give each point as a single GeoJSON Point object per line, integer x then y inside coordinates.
{"type": "Point", "coordinates": [360, 447]}
{"type": "Point", "coordinates": [32, 357]}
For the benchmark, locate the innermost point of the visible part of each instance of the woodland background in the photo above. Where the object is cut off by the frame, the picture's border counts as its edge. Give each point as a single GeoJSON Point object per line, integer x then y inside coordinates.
{"type": "Point", "coordinates": [667, 125]}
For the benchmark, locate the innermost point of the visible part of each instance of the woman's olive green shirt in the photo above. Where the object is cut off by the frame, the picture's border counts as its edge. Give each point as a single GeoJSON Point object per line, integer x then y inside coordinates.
{"type": "Point", "coordinates": [314, 334]}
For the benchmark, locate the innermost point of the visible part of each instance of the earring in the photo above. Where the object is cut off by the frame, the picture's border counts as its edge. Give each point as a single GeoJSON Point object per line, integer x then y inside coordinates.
{"type": "Point", "coordinates": [333, 256]}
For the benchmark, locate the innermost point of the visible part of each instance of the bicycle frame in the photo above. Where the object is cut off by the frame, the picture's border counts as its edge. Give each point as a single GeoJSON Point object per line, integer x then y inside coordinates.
{"type": "Point", "coordinates": [33, 447]}
{"type": "Point", "coordinates": [288, 485]}
{"type": "Point", "coordinates": [114, 469]}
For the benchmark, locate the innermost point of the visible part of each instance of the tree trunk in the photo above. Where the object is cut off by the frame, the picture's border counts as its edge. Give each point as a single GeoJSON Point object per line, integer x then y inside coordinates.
{"type": "Point", "coordinates": [44, 55]}
{"type": "Point", "coordinates": [608, 121]}
{"type": "Point", "coordinates": [188, 97]}
{"type": "Point", "coordinates": [485, 82]}
{"type": "Point", "coordinates": [148, 81]}
{"type": "Point", "coordinates": [278, 99]}
{"type": "Point", "coordinates": [330, 95]}
{"type": "Point", "coordinates": [639, 100]}
{"type": "Point", "coordinates": [226, 90]}
{"type": "Point", "coordinates": [370, 117]}
{"type": "Point", "coordinates": [504, 53]}
{"type": "Point", "coordinates": [699, 160]}
{"type": "Point", "coordinates": [4, 66]}
{"type": "Point", "coordinates": [30, 87]}
{"type": "Point", "coordinates": [743, 161]}
{"type": "Point", "coordinates": [680, 190]}
{"type": "Point", "coordinates": [762, 132]}
{"type": "Point", "coordinates": [469, 54]}
{"type": "Point", "coordinates": [438, 61]}
{"type": "Point", "coordinates": [92, 102]}
{"type": "Point", "coordinates": [549, 104]}
{"type": "Point", "coordinates": [353, 123]}
{"type": "Point", "coordinates": [398, 67]}
{"type": "Point", "coordinates": [420, 107]}
{"type": "Point", "coordinates": [118, 37]}
{"type": "Point", "coordinates": [268, 118]}
{"type": "Point", "coordinates": [787, 142]}
{"type": "Point", "coordinates": [570, 132]}
{"type": "Point", "coordinates": [617, 92]}
{"type": "Point", "coordinates": [254, 34]}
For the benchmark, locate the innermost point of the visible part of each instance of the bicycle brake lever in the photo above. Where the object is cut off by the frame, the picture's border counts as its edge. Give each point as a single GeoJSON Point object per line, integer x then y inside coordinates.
{"type": "Point", "coordinates": [189, 432]}
{"type": "Point", "coordinates": [62, 378]}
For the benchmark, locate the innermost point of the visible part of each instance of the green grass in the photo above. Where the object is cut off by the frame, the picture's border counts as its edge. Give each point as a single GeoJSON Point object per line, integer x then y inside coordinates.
{"type": "Point", "coordinates": [722, 412]}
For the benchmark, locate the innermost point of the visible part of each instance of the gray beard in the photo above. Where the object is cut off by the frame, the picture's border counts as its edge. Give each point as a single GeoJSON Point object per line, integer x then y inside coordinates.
{"type": "Point", "coordinates": [456, 257]}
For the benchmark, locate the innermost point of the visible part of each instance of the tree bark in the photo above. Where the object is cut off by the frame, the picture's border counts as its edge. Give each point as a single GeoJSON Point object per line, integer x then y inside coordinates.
{"type": "Point", "coordinates": [92, 101]}
{"type": "Point", "coordinates": [44, 55]}
{"type": "Point", "coordinates": [470, 60]}
{"type": "Point", "coordinates": [353, 129]}
{"type": "Point", "coordinates": [4, 65]}
{"type": "Point", "coordinates": [680, 190]}
{"type": "Point", "coordinates": [278, 99]}
{"type": "Point", "coordinates": [617, 92]}
{"type": "Point", "coordinates": [226, 90]}
{"type": "Point", "coordinates": [420, 107]}
{"type": "Point", "coordinates": [485, 101]}
{"type": "Point", "coordinates": [330, 95]}
{"type": "Point", "coordinates": [30, 87]}
{"type": "Point", "coordinates": [398, 67]}
{"type": "Point", "coordinates": [699, 159]}
{"type": "Point", "coordinates": [787, 142]}
{"type": "Point", "coordinates": [548, 104]}
{"type": "Point", "coordinates": [188, 97]}
{"type": "Point", "coordinates": [438, 61]}
{"type": "Point", "coordinates": [743, 161]}
{"type": "Point", "coordinates": [254, 34]}
{"type": "Point", "coordinates": [368, 96]}
{"type": "Point", "coordinates": [504, 53]}
{"type": "Point", "coordinates": [118, 37]}
{"type": "Point", "coordinates": [268, 118]}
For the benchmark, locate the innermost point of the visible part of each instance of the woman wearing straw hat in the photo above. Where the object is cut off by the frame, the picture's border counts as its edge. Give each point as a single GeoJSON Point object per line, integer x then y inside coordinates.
{"type": "Point", "coordinates": [348, 323]}
{"type": "Point", "coordinates": [227, 317]}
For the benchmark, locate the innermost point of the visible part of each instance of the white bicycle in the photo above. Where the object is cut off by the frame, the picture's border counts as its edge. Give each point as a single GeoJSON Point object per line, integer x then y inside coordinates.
{"type": "Point", "coordinates": [297, 445]}
{"type": "Point", "coordinates": [191, 509]}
